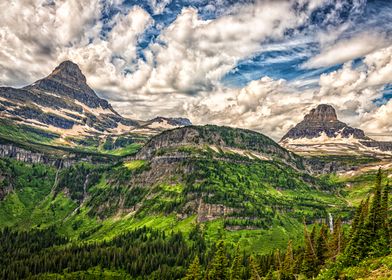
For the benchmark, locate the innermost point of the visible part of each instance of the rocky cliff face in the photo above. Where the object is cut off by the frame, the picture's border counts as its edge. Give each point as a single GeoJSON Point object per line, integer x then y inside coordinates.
{"type": "Point", "coordinates": [239, 141]}
{"type": "Point", "coordinates": [323, 120]}
{"type": "Point", "coordinates": [321, 132]}
{"type": "Point", "coordinates": [63, 102]}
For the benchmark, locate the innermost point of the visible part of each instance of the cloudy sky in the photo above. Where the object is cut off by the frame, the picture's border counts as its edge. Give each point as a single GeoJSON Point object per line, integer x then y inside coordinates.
{"type": "Point", "coordinates": [255, 64]}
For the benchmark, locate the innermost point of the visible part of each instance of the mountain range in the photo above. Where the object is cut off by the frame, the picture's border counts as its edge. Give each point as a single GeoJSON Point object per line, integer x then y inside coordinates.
{"type": "Point", "coordinates": [74, 171]}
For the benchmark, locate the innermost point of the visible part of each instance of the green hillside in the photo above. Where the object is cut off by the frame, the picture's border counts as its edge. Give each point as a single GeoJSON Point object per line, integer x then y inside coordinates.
{"type": "Point", "coordinates": [184, 190]}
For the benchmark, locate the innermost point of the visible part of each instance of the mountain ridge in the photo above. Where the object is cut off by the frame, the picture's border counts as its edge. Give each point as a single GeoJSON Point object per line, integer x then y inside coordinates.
{"type": "Point", "coordinates": [64, 103]}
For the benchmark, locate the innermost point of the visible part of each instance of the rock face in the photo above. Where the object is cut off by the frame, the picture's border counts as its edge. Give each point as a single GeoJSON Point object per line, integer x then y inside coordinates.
{"type": "Point", "coordinates": [172, 121]}
{"type": "Point", "coordinates": [67, 80]}
{"type": "Point", "coordinates": [223, 137]}
{"type": "Point", "coordinates": [321, 132]}
{"type": "Point", "coordinates": [62, 100]}
{"type": "Point", "coordinates": [323, 119]}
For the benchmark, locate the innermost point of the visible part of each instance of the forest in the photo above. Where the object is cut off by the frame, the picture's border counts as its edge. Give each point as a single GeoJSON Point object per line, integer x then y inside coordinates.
{"type": "Point", "coordinates": [146, 253]}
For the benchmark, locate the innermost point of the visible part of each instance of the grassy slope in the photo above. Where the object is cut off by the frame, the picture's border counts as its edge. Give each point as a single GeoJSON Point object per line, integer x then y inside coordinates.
{"type": "Point", "coordinates": [41, 140]}
{"type": "Point", "coordinates": [40, 206]}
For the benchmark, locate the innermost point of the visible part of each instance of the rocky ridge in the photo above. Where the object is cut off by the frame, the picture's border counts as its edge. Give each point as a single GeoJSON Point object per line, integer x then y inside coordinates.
{"type": "Point", "coordinates": [64, 103]}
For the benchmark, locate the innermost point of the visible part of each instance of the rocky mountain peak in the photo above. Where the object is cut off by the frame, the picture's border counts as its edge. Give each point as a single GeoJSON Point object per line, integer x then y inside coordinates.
{"type": "Point", "coordinates": [67, 80]}
{"type": "Point", "coordinates": [68, 71]}
{"type": "Point", "coordinates": [323, 120]}
{"type": "Point", "coordinates": [322, 113]}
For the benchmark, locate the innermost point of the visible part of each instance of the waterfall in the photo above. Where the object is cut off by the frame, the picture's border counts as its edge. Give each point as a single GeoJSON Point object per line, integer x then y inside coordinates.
{"type": "Point", "coordinates": [330, 222]}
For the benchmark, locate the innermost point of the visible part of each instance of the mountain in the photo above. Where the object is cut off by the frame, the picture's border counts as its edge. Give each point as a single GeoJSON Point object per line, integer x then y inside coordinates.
{"type": "Point", "coordinates": [233, 179]}
{"type": "Point", "coordinates": [64, 103]}
{"type": "Point", "coordinates": [320, 132]}
{"type": "Point", "coordinates": [87, 193]}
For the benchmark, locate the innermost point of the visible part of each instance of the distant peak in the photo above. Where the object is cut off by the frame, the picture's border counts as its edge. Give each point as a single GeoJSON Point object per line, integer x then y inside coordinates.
{"type": "Point", "coordinates": [322, 113]}
{"type": "Point", "coordinates": [68, 70]}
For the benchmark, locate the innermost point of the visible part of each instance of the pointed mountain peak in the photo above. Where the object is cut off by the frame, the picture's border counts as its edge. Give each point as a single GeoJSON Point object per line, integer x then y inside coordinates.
{"type": "Point", "coordinates": [68, 71]}
{"type": "Point", "coordinates": [322, 113]}
{"type": "Point", "coordinates": [67, 80]}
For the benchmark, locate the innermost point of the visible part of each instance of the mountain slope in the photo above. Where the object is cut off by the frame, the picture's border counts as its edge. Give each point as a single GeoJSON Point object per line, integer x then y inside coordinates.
{"type": "Point", "coordinates": [227, 179]}
{"type": "Point", "coordinates": [64, 103]}
{"type": "Point", "coordinates": [321, 133]}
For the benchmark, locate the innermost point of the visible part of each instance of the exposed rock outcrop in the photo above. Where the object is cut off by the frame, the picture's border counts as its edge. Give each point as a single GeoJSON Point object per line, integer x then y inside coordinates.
{"type": "Point", "coordinates": [323, 120]}
{"type": "Point", "coordinates": [321, 132]}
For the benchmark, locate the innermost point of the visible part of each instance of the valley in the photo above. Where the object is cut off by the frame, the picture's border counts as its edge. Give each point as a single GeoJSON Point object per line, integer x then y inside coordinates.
{"type": "Point", "coordinates": [79, 180]}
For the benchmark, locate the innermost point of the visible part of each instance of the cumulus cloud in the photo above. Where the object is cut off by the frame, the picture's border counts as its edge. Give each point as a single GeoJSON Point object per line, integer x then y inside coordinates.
{"type": "Point", "coordinates": [274, 106]}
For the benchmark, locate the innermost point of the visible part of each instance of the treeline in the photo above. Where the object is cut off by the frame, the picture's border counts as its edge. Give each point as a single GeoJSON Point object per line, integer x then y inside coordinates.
{"type": "Point", "coordinates": [143, 252]}
{"type": "Point", "coordinates": [325, 254]}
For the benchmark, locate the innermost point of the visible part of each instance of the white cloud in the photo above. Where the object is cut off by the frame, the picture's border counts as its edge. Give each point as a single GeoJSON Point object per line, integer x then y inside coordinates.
{"type": "Point", "coordinates": [125, 32]}
{"type": "Point", "coordinates": [158, 6]}
{"type": "Point", "coordinates": [347, 49]}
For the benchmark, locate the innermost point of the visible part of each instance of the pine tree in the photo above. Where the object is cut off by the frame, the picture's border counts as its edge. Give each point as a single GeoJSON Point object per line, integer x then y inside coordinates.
{"type": "Point", "coordinates": [288, 258]}
{"type": "Point", "coordinates": [309, 262]}
{"type": "Point", "coordinates": [194, 270]}
{"type": "Point", "coordinates": [358, 245]}
{"type": "Point", "coordinates": [219, 269]}
{"type": "Point", "coordinates": [236, 270]}
{"type": "Point", "coordinates": [321, 245]}
{"type": "Point", "coordinates": [337, 242]}
{"type": "Point", "coordinates": [254, 269]}
{"type": "Point", "coordinates": [381, 245]}
{"type": "Point", "coordinates": [375, 225]}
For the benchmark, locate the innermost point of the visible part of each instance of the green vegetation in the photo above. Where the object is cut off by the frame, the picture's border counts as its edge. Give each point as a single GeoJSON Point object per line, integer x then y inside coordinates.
{"type": "Point", "coordinates": [24, 133]}
{"type": "Point", "coordinates": [94, 221]}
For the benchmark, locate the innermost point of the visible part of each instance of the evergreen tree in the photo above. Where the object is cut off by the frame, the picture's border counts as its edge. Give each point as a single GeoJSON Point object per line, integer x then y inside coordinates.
{"type": "Point", "coordinates": [337, 242]}
{"type": "Point", "coordinates": [254, 269]}
{"type": "Point", "coordinates": [194, 270]}
{"type": "Point", "coordinates": [375, 225]}
{"type": "Point", "coordinates": [358, 245]}
{"type": "Point", "coordinates": [310, 257]}
{"type": "Point", "coordinates": [321, 245]}
{"type": "Point", "coordinates": [237, 269]}
{"type": "Point", "coordinates": [289, 258]}
{"type": "Point", "coordinates": [219, 267]}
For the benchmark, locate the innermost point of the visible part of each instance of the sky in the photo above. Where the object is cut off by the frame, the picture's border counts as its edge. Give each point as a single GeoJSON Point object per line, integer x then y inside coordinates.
{"type": "Point", "coordinates": [253, 64]}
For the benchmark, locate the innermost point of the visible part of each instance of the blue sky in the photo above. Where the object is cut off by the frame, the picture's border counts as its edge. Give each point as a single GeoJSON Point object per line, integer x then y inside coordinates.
{"type": "Point", "coordinates": [255, 64]}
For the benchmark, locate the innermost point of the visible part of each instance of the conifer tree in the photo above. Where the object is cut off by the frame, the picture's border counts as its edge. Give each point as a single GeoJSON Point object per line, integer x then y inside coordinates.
{"type": "Point", "coordinates": [288, 258]}
{"type": "Point", "coordinates": [236, 270]}
{"type": "Point", "coordinates": [337, 242]}
{"type": "Point", "coordinates": [321, 245]}
{"type": "Point", "coordinates": [219, 269]}
{"type": "Point", "coordinates": [254, 269]}
{"type": "Point", "coordinates": [310, 258]}
{"type": "Point", "coordinates": [358, 245]}
{"type": "Point", "coordinates": [194, 270]}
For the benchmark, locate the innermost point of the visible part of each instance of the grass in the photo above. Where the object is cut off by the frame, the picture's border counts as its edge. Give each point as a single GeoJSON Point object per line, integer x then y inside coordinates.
{"type": "Point", "coordinates": [359, 186]}
{"type": "Point", "coordinates": [12, 131]}
{"type": "Point", "coordinates": [134, 164]}
{"type": "Point", "coordinates": [124, 151]}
